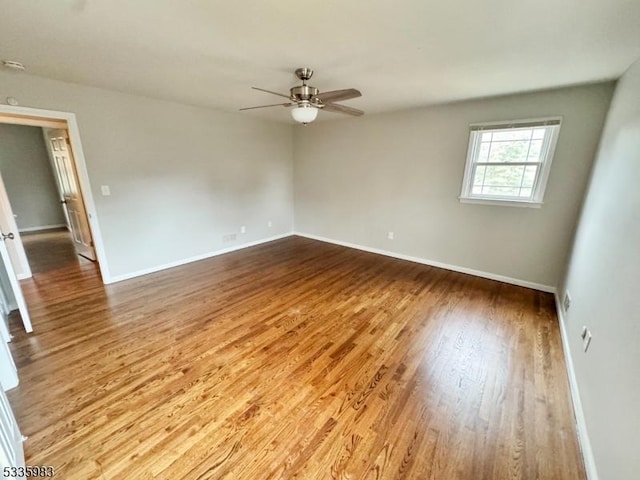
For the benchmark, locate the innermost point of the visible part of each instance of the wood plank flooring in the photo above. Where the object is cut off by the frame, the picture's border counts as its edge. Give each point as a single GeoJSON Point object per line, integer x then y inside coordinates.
{"type": "Point", "coordinates": [293, 359]}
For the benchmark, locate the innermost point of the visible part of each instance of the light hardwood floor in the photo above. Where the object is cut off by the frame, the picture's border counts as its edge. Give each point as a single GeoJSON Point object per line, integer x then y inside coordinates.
{"type": "Point", "coordinates": [293, 359]}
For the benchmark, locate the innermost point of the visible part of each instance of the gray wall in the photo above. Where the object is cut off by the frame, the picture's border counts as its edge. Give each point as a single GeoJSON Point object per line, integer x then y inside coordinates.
{"type": "Point", "coordinates": [357, 179]}
{"type": "Point", "coordinates": [181, 177]}
{"type": "Point", "coordinates": [28, 177]}
{"type": "Point", "coordinates": [603, 281]}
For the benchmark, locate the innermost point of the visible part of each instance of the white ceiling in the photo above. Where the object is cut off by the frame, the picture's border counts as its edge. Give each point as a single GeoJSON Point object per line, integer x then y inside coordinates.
{"type": "Point", "coordinates": [400, 54]}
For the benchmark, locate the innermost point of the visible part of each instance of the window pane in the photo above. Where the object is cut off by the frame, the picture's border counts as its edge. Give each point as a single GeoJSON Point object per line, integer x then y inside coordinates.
{"type": "Point", "coordinates": [501, 191]}
{"type": "Point", "coordinates": [505, 176]}
{"type": "Point", "coordinates": [499, 180]}
{"type": "Point", "coordinates": [483, 153]}
{"type": "Point", "coordinates": [529, 176]}
{"type": "Point", "coordinates": [486, 136]}
{"type": "Point", "coordinates": [479, 176]}
{"type": "Point", "coordinates": [505, 181]}
{"type": "Point", "coordinates": [538, 133]}
{"type": "Point", "coordinates": [515, 134]}
{"type": "Point", "coordinates": [534, 151]}
{"type": "Point", "coordinates": [515, 151]}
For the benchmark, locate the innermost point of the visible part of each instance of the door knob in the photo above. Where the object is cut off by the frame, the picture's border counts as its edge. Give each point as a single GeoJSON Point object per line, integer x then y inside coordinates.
{"type": "Point", "coordinates": [11, 236]}
{"type": "Point", "coordinates": [63, 201]}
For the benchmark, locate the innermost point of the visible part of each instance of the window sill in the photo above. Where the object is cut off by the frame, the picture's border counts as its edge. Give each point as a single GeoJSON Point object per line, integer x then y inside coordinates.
{"type": "Point", "coordinates": [501, 202]}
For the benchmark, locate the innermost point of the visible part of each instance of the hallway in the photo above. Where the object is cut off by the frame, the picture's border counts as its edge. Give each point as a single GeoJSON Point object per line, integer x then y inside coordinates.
{"type": "Point", "coordinates": [57, 270]}
{"type": "Point", "coordinates": [52, 251]}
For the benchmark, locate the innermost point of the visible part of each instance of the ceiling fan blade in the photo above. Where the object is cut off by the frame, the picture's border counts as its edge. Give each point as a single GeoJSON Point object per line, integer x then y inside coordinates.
{"type": "Point", "coordinates": [269, 91]}
{"type": "Point", "coordinates": [339, 95]}
{"type": "Point", "coordinates": [265, 106]}
{"type": "Point", "coordinates": [334, 107]}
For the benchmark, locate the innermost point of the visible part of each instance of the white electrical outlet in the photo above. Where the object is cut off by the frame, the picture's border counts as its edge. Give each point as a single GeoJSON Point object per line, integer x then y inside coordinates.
{"type": "Point", "coordinates": [390, 235]}
{"type": "Point", "coordinates": [243, 229]}
{"type": "Point", "coordinates": [583, 334]}
{"type": "Point", "coordinates": [566, 303]}
{"type": "Point", "coordinates": [269, 224]}
{"type": "Point", "coordinates": [105, 190]}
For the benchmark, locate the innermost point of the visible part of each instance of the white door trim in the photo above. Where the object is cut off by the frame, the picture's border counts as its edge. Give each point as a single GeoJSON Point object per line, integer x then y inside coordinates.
{"type": "Point", "coordinates": [21, 266]}
{"type": "Point", "coordinates": [11, 448]}
{"type": "Point", "coordinates": [38, 117]}
{"type": "Point", "coordinates": [15, 287]}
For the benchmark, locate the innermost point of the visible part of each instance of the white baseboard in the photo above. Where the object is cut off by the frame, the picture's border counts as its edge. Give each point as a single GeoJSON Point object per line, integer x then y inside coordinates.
{"type": "Point", "coordinates": [177, 263]}
{"type": "Point", "coordinates": [433, 263]}
{"type": "Point", "coordinates": [581, 426]}
{"type": "Point", "coordinates": [43, 227]}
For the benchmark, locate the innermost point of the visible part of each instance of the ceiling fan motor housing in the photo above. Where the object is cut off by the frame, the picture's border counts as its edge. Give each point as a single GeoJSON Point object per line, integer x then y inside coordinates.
{"type": "Point", "coordinates": [305, 93]}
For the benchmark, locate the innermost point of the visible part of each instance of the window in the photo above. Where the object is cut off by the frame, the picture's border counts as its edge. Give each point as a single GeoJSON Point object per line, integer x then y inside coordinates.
{"type": "Point", "coordinates": [508, 163]}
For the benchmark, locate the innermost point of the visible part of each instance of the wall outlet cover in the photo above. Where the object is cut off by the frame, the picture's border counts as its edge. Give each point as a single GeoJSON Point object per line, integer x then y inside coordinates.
{"type": "Point", "coordinates": [587, 341]}
{"type": "Point", "coordinates": [566, 303]}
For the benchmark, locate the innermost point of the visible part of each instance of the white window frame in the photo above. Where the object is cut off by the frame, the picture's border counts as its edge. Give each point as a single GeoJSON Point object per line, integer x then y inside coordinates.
{"type": "Point", "coordinates": [542, 177]}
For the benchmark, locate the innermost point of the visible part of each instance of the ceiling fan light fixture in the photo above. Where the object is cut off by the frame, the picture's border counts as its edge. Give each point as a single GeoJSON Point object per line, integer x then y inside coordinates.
{"type": "Point", "coordinates": [304, 113]}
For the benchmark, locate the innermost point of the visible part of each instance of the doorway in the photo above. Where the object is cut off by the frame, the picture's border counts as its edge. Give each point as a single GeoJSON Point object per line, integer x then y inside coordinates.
{"type": "Point", "coordinates": [77, 220]}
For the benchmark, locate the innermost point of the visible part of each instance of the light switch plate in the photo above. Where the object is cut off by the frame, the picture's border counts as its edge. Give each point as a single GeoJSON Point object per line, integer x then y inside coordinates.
{"type": "Point", "coordinates": [586, 341]}
{"type": "Point", "coordinates": [106, 191]}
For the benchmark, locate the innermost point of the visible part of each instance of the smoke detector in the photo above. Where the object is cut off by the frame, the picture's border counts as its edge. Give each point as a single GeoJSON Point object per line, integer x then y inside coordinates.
{"type": "Point", "coordinates": [13, 65]}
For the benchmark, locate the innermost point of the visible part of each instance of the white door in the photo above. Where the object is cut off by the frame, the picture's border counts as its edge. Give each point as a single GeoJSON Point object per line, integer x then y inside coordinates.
{"type": "Point", "coordinates": [69, 187]}
{"type": "Point", "coordinates": [8, 369]}
{"type": "Point", "coordinates": [11, 449]}
{"type": "Point", "coordinates": [7, 303]}
{"type": "Point", "coordinates": [10, 231]}
{"type": "Point", "coordinates": [15, 285]}
{"type": "Point", "coordinates": [4, 316]}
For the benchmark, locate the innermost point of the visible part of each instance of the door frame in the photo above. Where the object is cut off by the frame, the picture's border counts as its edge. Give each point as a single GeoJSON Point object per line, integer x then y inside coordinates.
{"type": "Point", "coordinates": [36, 117]}
{"type": "Point", "coordinates": [7, 213]}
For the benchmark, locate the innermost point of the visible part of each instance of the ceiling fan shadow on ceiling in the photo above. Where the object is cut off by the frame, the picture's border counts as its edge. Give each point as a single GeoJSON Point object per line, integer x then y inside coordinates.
{"type": "Point", "coordinates": [308, 100]}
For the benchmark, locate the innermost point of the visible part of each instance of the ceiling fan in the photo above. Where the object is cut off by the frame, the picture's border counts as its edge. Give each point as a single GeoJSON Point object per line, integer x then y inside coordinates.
{"type": "Point", "coordinates": [308, 100]}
